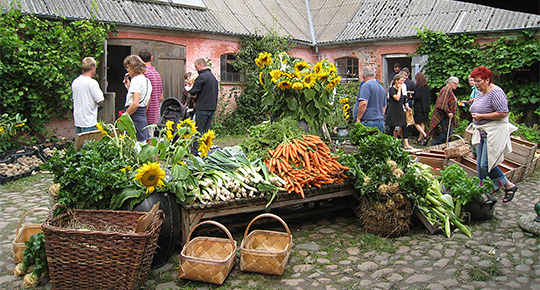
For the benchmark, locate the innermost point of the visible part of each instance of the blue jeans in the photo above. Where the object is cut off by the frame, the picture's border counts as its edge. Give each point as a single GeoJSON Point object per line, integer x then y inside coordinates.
{"type": "Point", "coordinates": [442, 136]}
{"type": "Point", "coordinates": [374, 124]}
{"type": "Point", "coordinates": [79, 130]}
{"type": "Point", "coordinates": [496, 175]}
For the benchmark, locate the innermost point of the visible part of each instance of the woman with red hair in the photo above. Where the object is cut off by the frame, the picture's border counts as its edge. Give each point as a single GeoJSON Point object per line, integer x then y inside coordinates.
{"type": "Point", "coordinates": [491, 134]}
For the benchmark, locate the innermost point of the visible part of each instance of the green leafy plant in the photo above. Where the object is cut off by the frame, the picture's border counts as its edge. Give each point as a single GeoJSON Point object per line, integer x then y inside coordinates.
{"type": "Point", "coordinates": [8, 129]}
{"type": "Point", "coordinates": [463, 188]}
{"type": "Point", "coordinates": [268, 135]}
{"type": "Point", "coordinates": [295, 88]}
{"type": "Point", "coordinates": [39, 59]}
{"type": "Point", "coordinates": [35, 261]}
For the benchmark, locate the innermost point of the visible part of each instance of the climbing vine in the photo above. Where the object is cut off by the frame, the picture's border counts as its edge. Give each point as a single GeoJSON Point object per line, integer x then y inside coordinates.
{"type": "Point", "coordinates": [39, 60]}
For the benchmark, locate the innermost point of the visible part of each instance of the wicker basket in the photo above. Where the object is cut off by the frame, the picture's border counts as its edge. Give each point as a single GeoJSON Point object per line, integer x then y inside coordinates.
{"type": "Point", "coordinates": [264, 251]}
{"type": "Point", "coordinates": [110, 257]}
{"type": "Point", "coordinates": [457, 151]}
{"type": "Point", "coordinates": [208, 259]}
{"type": "Point", "coordinates": [24, 235]}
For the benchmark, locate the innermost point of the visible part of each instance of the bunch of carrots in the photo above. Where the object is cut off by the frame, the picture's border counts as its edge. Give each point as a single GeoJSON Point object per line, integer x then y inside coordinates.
{"type": "Point", "coordinates": [305, 162]}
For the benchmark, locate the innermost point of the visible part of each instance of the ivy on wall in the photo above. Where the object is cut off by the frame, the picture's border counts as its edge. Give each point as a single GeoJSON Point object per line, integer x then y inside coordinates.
{"type": "Point", "coordinates": [39, 60]}
{"type": "Point", "coordinates": [458, 54]}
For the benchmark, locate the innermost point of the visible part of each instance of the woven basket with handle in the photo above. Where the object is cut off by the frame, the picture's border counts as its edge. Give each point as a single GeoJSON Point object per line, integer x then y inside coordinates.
{"type": "Point", "coordinates": [208, 259]}
{"type": "Point", "coordinates": [23, 234]}
{"type": "Point", "coordinates": [265, 251]}
{"type": "Point", "coordinates": [106, 255]}
{"type": "Point", "coordinates": [457, 151]}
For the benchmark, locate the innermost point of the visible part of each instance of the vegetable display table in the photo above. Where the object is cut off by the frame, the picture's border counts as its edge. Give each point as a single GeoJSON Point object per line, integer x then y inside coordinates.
{"type": "Point", "coordinates": [195, 212]}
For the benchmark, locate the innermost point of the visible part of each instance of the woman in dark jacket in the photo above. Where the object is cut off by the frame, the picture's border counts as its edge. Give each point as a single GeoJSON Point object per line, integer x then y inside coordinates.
{"type": "Point", "coordinates": [422, 96]}
{"type": "Point", "coordinates": [397, 104]}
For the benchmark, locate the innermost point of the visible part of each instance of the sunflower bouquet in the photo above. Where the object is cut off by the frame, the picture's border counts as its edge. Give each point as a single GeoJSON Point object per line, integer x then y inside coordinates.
{"type": "Point", "coordinates": [295, 88]}
{"type": "Point", "coordinates": [161, 164]}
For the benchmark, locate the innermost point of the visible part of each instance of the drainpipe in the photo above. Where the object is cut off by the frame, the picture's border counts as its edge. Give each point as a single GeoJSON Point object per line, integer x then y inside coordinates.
{"type": "Point", "coordinates": [313, 37]}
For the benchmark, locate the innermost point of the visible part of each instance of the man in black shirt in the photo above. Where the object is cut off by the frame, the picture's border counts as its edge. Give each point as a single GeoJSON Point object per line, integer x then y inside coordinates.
{"type": "Point", "coordinates": [205, 93]}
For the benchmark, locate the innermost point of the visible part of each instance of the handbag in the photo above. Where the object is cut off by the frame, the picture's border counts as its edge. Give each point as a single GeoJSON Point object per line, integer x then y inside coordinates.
{"type": "Point", "coordinates": [409, 117]}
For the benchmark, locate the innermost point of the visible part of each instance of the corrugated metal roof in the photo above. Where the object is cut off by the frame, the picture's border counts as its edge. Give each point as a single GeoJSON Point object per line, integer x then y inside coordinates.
{"type": "Point", "coordinates": [333, 20]}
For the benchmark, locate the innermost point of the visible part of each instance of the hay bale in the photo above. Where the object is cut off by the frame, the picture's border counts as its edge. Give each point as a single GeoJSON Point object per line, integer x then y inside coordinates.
{"type": "Point", "coordinates": [389, 216]}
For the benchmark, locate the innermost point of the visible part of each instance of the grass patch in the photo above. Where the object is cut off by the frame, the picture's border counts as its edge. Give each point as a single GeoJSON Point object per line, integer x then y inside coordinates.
{"type": "Point", "coordinates": [370, 242]}
{"type": "Point", "coordinates": [29, 181]}
{"type": "Point", "coordinates": [486, 273]}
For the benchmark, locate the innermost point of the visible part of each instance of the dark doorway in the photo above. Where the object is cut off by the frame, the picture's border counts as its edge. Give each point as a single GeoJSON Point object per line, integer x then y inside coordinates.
{"type": "Point", "coordinates": [115, 73]}
{"type": "Point", "coordinates": [390, 61]}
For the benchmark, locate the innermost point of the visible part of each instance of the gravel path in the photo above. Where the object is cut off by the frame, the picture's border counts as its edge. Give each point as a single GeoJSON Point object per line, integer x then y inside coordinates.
{"type": "Point", "coordinates": [332, 252]}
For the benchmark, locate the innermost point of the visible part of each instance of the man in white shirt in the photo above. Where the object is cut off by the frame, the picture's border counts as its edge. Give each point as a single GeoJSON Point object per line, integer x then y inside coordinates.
{"type": "Point", "coordinates": [87, 96]}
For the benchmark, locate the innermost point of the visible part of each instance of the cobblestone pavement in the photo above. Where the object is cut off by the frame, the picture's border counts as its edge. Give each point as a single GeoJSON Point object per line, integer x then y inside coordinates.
{"type": "Point", "coordinates": [332, 252]}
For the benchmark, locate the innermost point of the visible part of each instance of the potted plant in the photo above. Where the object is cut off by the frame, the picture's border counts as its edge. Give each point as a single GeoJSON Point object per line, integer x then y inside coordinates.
{"type": "Point", "coordinates": [470, 195]}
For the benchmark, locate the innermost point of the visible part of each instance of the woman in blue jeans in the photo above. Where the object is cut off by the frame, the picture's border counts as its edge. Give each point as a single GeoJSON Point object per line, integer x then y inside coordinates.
{"type": "Point", "coordinates": [491, 134]}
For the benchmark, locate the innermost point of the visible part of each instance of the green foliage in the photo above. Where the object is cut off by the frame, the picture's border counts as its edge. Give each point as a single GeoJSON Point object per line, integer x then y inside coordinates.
{"type": "Point", "coordinates": [89, 178]}
{"type": "Point", "coordinates": [342, 115]}
{"type": "Point", "coordinates": [268, 135]}
{"type": "Point", "coordinates": [458, 55]}
{"type": "Point", "coordinates": [222, 123]}
{"type": "Point", "coordinates": [248, 103]}
{"type": "Point", "coordinates": [462, 187]}
{"type": "Point", "coordinates": [8, 129]}
{"type": "Point", "coordinates": [449, 55]}
{"type": "Point", "coordinates": [531, 134]}
{"type": "Point", "coordinates": [35, 255]}
{"type": "Point", "coordinates": [39, 60]}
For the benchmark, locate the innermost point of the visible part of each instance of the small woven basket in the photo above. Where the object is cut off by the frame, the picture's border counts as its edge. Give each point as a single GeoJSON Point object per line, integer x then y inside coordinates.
{"type": "Point", "coordinates": [208, 259]}
{"type": "Point", "coordinates": [265, 251]}
{"type": "Point", "coordinates": [111, 256]}
{"type": "Point", "coordinates": [23, 235]}
{"type": "Point", "coordinates": [457, 151]}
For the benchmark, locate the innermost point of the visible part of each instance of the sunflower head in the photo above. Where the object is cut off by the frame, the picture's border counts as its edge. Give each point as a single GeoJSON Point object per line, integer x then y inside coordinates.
{"type": "Point", "coordinates": [260, 78]}
{"type": "Point", "coordinates": [297, 86]}
{"type": "Point", "coordinates": [286, 84]}
{"type": "Point", "coordinates": [205, 142]}
{"type": "Point", "coordinates": [101, 128]}
{"type": "Point", "coordinates": [169, 125]}
{"type": "Point", "coordinates": [309, 81]}
{"type": "Point", "coordinates": [150, 175]}
{"type": "Point", "coordinates": [300, 66]}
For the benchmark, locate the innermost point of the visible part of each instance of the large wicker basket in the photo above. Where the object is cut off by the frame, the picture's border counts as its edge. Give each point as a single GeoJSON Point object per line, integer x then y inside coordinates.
{"type": "Point", "coordinates": [265, 251]}
{"type": "Point", "coordinates": [107, 256]}
{"type": "Point", "coordinates": [23, 234]}
{"type": "Point", "coordinates": [208, 259]}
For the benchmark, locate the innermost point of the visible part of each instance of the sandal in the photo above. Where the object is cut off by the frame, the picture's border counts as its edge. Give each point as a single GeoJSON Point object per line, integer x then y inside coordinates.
{"type": "Point", "coordinates": [509, 194]}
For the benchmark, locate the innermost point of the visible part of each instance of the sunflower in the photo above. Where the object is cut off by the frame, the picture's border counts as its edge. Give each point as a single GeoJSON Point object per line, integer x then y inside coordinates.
{"type": "Point", "coordinates": [284, 85]}
{"type": "Point", "coordinates": [102, 129]}
{"type": "Point", "coordinates": [297, 86]}
{"type": "Point", "coordinates": [301, 66]}
{"type": "Point", "coordinates": [317, 68]}
{"type": "Point", "coordinates": [169, 125]}
{"type": "Point", "coordinates": [276, 75]}
{"type": "Point", "coordinates": [150, 175]}
{"type": "Point", "coordinates": [346, 108]}
{"type": "Point", "coordinates": [309, 81]}
{"type": "Point", "coordinates": [344, 100]}
{"type": "Point", "coordinates": [19, 125]}
{"type": "Point", "coordinates": [1, 130]}
{"type": "Point", "coordinates": [190, 124]}
{"type": "Point", "coordinates": [206, 141]}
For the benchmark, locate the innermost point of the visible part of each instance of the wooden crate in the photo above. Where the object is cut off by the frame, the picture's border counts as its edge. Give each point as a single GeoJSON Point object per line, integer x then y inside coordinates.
{"type": "Point", "coordinates": [535, 163]}
{"type": "Point", "coordinates": [522, 152]}
{"type": "Point", "coordinates": [518, 170]}
{"type": "Point", "coordinates": [469, 166]}
{"type": "Point", "coordinates": [437, 162]}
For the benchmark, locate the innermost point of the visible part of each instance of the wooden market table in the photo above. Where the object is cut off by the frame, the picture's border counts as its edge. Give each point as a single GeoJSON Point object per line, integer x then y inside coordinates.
{"type": "Point", "coordinates": [194, 213]}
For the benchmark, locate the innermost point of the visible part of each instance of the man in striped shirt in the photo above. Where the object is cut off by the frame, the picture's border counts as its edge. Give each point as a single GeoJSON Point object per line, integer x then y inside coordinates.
{"type": "Point", "coordinates": [152, 110]}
